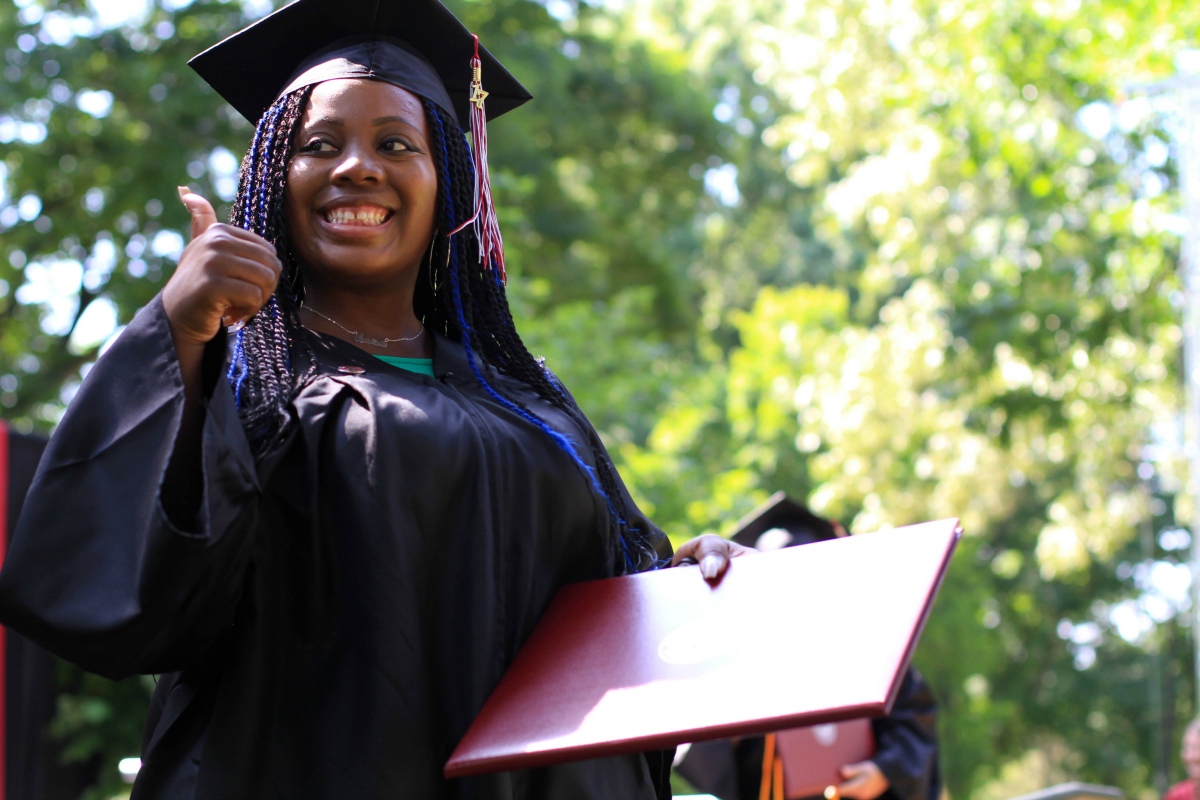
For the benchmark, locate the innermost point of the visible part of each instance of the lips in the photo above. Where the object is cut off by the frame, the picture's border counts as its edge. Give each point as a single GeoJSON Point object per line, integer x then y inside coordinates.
{"type": "Point", "coordinates": [361, 216]}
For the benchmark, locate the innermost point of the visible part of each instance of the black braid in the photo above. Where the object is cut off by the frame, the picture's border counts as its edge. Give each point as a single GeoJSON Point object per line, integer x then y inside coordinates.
{"type": "Point", "coordinates": [262, 374]}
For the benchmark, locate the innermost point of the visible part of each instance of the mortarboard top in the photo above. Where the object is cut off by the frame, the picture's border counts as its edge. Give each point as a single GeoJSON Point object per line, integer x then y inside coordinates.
{"type": "Point", "coordinates": [780, 511]}
{"type": "Point", "coordinates": [415, 44]}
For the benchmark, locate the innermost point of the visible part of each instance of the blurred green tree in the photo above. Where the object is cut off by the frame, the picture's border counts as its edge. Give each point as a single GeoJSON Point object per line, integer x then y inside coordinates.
{"type": "Point", "coordinates": [991, 336]}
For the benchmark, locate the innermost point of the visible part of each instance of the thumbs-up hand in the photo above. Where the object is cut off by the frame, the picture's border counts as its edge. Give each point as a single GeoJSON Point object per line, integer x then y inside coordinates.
{"type": "Point", "coordinates": [224, 271]}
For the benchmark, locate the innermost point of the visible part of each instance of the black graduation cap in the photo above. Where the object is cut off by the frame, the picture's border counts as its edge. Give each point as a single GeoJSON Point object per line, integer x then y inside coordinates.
{"type": "Point", "coordinates": [415, 44]}
{"type": "Point", "coordinates": [786, 523]}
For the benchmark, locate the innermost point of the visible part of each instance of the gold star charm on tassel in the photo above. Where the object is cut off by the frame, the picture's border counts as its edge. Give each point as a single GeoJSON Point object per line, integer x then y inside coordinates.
{"type": "Point", "coordinates": [478, 95]}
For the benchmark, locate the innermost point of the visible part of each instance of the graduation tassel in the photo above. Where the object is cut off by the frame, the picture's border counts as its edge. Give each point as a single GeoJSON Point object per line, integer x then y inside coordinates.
{"type": "Point", "coordinates": [487, 227]}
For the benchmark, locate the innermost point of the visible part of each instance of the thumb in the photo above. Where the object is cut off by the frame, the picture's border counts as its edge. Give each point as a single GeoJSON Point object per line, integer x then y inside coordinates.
{"type": "Point", "coordinates": [201, 210]}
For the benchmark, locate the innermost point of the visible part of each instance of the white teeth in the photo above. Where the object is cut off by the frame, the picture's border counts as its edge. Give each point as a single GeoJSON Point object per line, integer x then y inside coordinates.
{"type": "Point", "coordinates": [356, 216]}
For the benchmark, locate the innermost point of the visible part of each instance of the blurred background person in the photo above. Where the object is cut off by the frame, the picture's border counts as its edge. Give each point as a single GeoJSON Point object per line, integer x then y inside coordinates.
{"type": "Point", "coordinates": [1189, 754]}
{"type": "Point", "coordinates": [904, 765]}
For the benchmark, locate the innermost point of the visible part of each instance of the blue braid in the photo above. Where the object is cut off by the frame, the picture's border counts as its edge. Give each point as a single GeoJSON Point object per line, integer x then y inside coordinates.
{"type": "Point", "coordinates": [561, 439]}
{"type": "Point", "coordinates": [238, 369]}
{"type": "Point", "coordinates": [260, 184]}
{"type": "Point", "coordinates": [260, 157]}
{"type": "Point", "coordinates": [564, 442]}
{"type": "Point", "coordinates": [252, 172]}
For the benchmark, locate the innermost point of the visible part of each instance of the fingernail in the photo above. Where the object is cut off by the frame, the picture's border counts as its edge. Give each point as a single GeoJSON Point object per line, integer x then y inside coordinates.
{"type": "Point", "coordinates": [183, 191]}
{"type": "Point", "coordinates": [710, 565]}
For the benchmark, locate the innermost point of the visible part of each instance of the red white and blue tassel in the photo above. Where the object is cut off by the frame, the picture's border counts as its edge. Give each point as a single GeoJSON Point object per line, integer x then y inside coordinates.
{"type": "Point", "coordinates": [487, 227]}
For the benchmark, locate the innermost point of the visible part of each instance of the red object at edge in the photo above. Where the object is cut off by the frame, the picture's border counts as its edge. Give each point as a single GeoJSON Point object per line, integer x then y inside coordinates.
{"type": "Point", "coordinates": [3, 633]}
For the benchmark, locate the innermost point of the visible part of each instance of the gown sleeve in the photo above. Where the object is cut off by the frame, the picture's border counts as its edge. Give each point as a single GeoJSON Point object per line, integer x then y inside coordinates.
{"type": "Point", "coordinates": [96, 571]}
{"type": "Point", "coordinates": [906, 742]}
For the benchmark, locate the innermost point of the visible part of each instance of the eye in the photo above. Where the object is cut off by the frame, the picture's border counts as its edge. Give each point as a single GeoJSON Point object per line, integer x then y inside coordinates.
{"type": "Point", "coordinates": [395, 145]}
{"type": "Point", "coordinates": [317, 145]}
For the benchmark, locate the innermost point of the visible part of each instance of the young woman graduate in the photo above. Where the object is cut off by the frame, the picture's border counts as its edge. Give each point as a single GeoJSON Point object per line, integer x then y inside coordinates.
{"type": "Point", "coordinates": [331, 529]}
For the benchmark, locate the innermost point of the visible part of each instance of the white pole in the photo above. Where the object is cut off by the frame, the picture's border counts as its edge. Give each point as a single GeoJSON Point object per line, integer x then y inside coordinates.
{"type": "Point", "coordinates": [1188, 143]}
{"type": "Point", "coordinates": [1186, 87]}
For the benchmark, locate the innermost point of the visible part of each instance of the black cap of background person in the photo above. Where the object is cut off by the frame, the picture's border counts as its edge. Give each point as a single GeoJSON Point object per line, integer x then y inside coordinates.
{"type": "Point", "coordinates": [782, 522]}
{"type": "Point", "coordinates": [417, 45]}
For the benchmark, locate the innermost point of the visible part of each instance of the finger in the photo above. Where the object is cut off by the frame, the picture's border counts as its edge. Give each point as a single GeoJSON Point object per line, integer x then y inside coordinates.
{"type": "Point", "coordinates": [852, 789]}
{"type": "Point", "coordinates": [231, 235]}
{"type": "Point", "coordinates": [710, 551]}
{"type": "Point", "coordinates": [224, 241]}
{"type": "Point", "coordinates": [236, 318]}
{"type": "Point", "coordinates": [713, 555]}
{"type": "Point", "coordinates": [201, 210]}
{"type": "Point", "coordinates": [250, 271]}
{"type": "Point", "coordinates": [713, 566]}
{"type": "Point", "coordinates": [683, 554]}
{"type": "Point", "coordinates": [737, 550]}
{"type": "Point", "coordinates": [226, 247]}
{"type": "Point", "coordinates": [238, 298]}
{"type": "Point", "coordinates": [690, 550]}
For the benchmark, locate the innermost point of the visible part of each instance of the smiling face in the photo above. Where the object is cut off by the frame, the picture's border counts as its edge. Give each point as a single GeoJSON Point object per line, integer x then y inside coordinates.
{"type": "Point", "coordinates": [361, 188]}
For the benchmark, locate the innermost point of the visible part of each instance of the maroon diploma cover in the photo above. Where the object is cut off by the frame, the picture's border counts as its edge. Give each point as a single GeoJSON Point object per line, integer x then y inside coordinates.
{"type": "Point", "coordinates": [660, 658]}
{"type": "Point", "coordinates": [813, 756]}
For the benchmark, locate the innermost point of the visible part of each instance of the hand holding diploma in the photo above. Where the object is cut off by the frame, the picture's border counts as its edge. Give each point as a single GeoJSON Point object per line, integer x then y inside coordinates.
{"type": "Point", "coordinates": [712, 553]}
{"type": "Point", "coordinates": [862, 781]}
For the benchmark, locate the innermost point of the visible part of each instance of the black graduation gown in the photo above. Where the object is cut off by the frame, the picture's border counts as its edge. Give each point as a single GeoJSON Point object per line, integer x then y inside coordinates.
{"type": "Point", "coordinates": [336, 615]}
{"type": "Point", "coordinates": [906, 743]}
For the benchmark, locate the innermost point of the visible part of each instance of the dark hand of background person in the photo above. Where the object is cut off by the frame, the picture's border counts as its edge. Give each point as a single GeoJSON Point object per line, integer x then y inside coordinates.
{"type": "Point", "coordinates": [863, 781]}
{"type": "Point", "coordinates": [712, 553]}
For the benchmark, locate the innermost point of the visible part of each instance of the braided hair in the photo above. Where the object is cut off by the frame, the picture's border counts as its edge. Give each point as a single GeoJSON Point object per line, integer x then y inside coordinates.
{"type": "Point", "coordinates": [455, 295]}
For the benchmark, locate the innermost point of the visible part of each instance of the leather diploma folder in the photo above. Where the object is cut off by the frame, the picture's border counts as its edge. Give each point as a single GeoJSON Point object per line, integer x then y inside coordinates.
{"type": "Point", "coordinates": [796, 637]}
{"type": "Point", "coordinates": [812, 756]}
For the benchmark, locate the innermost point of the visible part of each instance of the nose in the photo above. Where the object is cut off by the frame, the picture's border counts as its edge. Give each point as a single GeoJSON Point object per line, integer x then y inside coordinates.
{"type": "Point", "coordinates": [359, 164]}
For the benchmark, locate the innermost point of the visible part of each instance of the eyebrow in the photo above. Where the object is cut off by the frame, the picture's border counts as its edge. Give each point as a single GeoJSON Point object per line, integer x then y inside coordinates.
{"type": "Point", "coordinates": [342, 123]}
